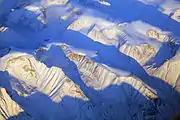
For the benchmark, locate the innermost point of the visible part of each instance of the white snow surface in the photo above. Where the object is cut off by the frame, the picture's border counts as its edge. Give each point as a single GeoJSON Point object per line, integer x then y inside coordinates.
{"type": "Point", "coordinates": [89, 59]}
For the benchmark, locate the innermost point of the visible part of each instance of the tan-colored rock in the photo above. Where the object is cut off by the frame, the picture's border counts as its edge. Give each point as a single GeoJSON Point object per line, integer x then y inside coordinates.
{"type": "Point", "coordinates": [140, 53]}
{"type": "Point", "coordinates": [176, 15]}
{"type": "Point", "coordinates": [158, 36]}
{"type": "Point", "coordinates": [43, 79]}
{"type": "Point", "coordinates": [168, 72]}
{"type": "Point", "coordinates": [8, 107]}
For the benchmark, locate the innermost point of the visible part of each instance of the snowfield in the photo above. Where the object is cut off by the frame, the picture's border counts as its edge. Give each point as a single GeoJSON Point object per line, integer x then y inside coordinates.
{"type": "Point", "coordinates": [89, 59]}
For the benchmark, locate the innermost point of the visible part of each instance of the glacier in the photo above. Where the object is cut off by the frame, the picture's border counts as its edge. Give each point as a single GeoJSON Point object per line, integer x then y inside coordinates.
{"type": "Point", "coordinates": [89, 59]}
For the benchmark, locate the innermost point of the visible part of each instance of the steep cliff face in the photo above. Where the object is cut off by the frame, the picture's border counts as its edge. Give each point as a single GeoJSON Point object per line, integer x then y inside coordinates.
{"type": "Point", "coordinates": [9, 108]}
{"type": "Point", "coordinates": [89, 60]}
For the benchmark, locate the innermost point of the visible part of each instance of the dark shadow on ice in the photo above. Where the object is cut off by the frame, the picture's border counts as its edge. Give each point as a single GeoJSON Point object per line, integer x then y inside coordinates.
{"type": "Point", "coordinates": [41, 106]}
{"type": "Point", "coordinates": [104, 54]}
{"type": "Point", "coordinates": [165, 52]}
{"type": "Point", "coordinates": [133, 10]}
{"type": "Point", "coordinates": [32, 40]}
{"type": "Point", "coordinates": [110, 56]}
{"type": "Point", "coordinates": [27, 32]}
{"type": "Point", "coordinates": [117, 102]}
{"type": "Point", "coordinates": [21, 116]}
{"type": "Point", "coordinates": [122, 62]}
{"type": "Point", "coordinates": [21, 32]}
{"type": "Point", "coordinates": [7, 6]}
{"type": "Point", "coordinates": [69, 67]}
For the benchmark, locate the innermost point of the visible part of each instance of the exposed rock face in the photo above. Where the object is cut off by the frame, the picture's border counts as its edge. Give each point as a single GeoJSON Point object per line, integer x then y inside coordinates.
{"type": "Point", "coordinates": [10, 108]}
{"type": "Point", "coordinates": [34, 76]}
{"type": "Point", "coordinates": [176, 15]}
{"type": "Point", "coordinates": [161, 37]}
{"type": "Point", "coordinates": [27, 69]}
{"type": "Point", "coordinates": [168, 72]}
{"type": "Point", "coordinates": [47, 84]}
{"type": "Point", "coordinates": [93, 75]}
{"type": "Point", "coordinates": [56, 85]}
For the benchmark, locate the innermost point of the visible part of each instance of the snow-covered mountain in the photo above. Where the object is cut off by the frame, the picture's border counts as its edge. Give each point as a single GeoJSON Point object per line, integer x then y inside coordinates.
{"type": "Point", "coordinates": [89, 59]}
